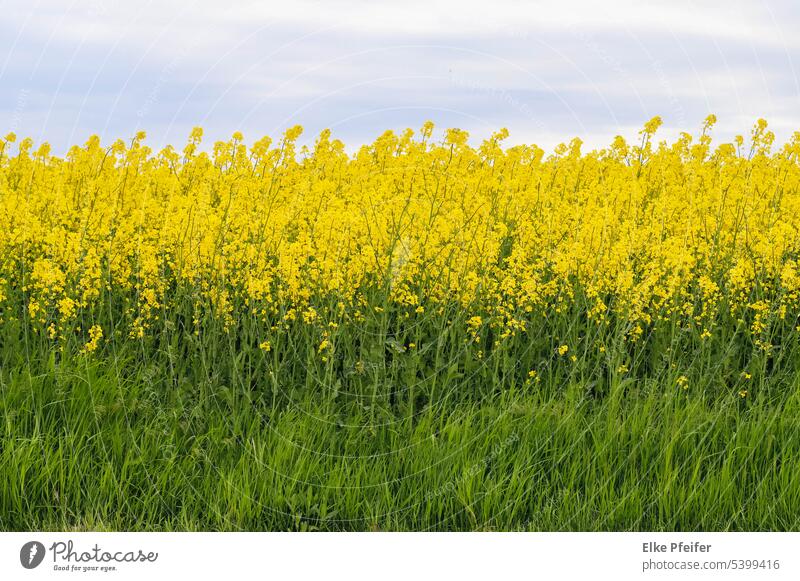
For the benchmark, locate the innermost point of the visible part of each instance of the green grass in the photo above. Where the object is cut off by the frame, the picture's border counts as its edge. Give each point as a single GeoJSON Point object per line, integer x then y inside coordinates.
{"type": "Point", "coordinates": [186, 431]}
{"type": "Point", "coordinates": [126, 440]}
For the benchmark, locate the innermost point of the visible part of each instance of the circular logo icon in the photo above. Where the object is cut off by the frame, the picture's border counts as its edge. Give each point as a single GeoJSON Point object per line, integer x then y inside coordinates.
{"type": "Point", "coordinates": [31, 554]}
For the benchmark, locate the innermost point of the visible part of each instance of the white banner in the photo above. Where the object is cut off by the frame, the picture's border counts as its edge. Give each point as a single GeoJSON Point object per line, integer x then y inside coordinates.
{"type": "Point", "coordinates": [406, 556]}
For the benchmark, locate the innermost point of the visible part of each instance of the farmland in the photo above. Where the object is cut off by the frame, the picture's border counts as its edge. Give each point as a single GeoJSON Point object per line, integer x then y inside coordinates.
{"type": "Point", "coordinates": [424, 334]}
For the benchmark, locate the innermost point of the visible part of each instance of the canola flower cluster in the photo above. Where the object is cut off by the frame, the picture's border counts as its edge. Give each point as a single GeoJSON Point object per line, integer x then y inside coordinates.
{"type": "Point", "coordinates": [648, 232]}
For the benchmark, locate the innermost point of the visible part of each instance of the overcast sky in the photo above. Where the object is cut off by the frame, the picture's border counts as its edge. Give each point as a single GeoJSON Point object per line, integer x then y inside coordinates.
{"type": "Point", "coordinates": [547, 71]}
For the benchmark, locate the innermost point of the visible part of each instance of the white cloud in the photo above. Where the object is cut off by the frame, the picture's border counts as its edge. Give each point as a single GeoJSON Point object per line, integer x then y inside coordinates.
{"type": "Point", "coordinates": [547, 70]}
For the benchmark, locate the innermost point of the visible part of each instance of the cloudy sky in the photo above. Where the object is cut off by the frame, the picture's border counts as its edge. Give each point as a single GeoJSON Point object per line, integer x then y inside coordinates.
{"type": "Point", "coordinates": [546, 70]}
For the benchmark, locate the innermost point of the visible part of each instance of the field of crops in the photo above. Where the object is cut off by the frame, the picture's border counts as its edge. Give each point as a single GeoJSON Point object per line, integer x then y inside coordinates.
{"type": "Point", "coordinates": [425, 334]}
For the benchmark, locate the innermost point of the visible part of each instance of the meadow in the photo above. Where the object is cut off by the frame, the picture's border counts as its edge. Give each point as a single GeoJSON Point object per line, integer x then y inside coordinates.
{"type": "Point", "coordinates": [422, 335]}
